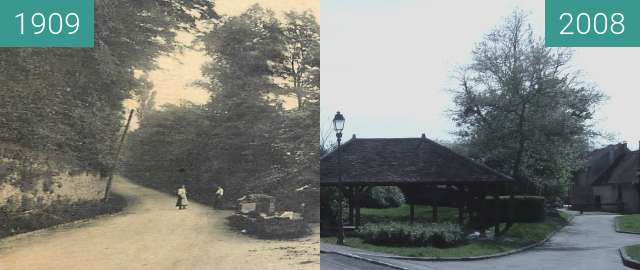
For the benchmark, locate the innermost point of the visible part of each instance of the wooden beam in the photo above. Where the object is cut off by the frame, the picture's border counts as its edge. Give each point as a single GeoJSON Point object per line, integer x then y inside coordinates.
{"type": "Point", "coordinates": [412, 213]}
{"type": "Point", "coordinates": [461, 212]}
{"type": "Point", "coordinates": [496, 198]}
{"type": "Point", "coordinates": [351, 201]}
{"type": "Point", "coordinates": [356, 200]}
{"type": "Point", "coordinates": [434, 211]}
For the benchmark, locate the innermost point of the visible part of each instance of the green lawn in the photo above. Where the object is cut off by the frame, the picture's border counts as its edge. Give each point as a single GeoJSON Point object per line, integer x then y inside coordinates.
{"type": "Point", "coordinates": [629, 223]}
{"type": "Point", "coordinates": [519, 235]}
{"type": "Point", "coordinates": [633, 252]}
{"type": "Point", "coordinates": [401, 214]}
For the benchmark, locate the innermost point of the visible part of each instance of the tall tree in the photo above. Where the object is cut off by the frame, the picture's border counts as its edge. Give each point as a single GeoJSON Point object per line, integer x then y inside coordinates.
{"type": "Point", "coordinates": [301, 66]}
{"type": "Point", "coordinates": [521, 109]}
{"type": "Point", "coordinates": [244, 111]}
{"type": "Point", "coordinates": [145, 96]}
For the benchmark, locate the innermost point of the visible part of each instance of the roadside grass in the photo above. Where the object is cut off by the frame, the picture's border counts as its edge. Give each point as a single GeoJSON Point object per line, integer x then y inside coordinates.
{"type": "Point", "coordinates": [520, 235]}
{"type": "Point", "coordinates": [633, 252]}
{"type": "Point", "coordinates": [566, 216]}
{"type": "Point", "coordinates": [628, 223]}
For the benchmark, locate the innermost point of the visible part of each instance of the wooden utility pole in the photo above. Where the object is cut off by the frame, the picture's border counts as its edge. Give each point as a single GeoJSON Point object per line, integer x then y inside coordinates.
{"type": "Point", "coordinates": [116, 158]}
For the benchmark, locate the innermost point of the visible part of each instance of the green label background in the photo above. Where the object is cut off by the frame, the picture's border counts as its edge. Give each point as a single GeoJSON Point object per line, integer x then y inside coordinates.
{"type": "Point", "coordinates": [10, 25]}
{"type": "Point", "coordinates": [553, 25]}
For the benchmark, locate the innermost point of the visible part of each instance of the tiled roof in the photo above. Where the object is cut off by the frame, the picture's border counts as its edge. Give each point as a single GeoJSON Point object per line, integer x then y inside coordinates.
{"type": "Point", "coordinates": [402, 160]}
{"type": "Point", "coordinates": [622, 171]}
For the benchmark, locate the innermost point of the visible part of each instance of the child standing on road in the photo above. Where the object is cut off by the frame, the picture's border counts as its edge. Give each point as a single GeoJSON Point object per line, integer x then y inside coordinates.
{"type": "Point", "coordinates": [182, 198]}
{"type": "Point", "coordinates": [218, 199]}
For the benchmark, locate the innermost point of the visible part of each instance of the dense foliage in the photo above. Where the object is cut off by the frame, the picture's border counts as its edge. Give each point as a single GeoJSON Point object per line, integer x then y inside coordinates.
{"type": "Point", "coordinates": [59, 212]}
{"type": "Point", "coordinates": [400, 234]}
{"type": "Point", "coordinates": [523, 110]}
{"type": "Point", "coordinates": [522, 208]}
{"type": "Point", "coordinates": [69, 101]}
{"type": "Point", "coordinates": [248, 138]}
{"type": "Point", "coordinates": [383, 197]}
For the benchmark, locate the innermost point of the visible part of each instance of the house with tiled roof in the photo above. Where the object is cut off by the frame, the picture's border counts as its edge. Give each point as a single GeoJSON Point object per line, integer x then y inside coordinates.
{"type": "Point", "coordinates": [608, 180]}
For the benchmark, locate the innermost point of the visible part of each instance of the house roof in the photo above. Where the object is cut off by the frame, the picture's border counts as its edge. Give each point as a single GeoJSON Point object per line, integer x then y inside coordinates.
{"type": "Point", "coordinates": [622, 171]}
{"type": "Point", "coordinates": [389, 161]}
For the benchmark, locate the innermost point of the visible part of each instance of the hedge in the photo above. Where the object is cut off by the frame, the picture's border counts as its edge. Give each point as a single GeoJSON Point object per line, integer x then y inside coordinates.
{"type": "Point", "coordinates": [439, 235]}
{"type": "Point", "coordinates": [526, 209]}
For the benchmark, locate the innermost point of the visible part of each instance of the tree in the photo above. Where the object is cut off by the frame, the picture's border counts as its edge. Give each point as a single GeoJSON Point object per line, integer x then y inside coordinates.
{"type": "Point", "coordinates": [243, 139]}
{"type": "Point", "coordinates": [522, 110]}
{"type": "Point", "coordinates": [68, 102]}
{"type": "Point", "coordinates": [145, 96]}
{"type": "Point", "coordinates": [301, 66]}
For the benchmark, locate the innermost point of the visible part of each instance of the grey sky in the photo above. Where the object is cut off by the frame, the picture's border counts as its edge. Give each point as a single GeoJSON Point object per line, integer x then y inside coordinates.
{"type": "Point", "coordinates": [387, 65]}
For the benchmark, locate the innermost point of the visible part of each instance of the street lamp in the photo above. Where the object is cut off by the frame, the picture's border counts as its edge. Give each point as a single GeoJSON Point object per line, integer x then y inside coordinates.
{"type": "Point", "coordinates": [338, 126]}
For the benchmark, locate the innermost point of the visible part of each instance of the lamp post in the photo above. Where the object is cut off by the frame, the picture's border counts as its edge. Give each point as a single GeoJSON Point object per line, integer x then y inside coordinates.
{"type": "Point", "coordinates": [338, 126]}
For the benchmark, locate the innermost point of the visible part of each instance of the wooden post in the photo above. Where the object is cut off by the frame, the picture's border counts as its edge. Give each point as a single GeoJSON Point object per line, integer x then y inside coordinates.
{"type": "Point", "coordinates": [116, 158]}
{"type": "Point", "coordinates": [434, 212]}
{"type": "Point", "coordinates": [357, 196]}
{"type": "Point", "coordinates": [461, 212]}
{"type": "Point", "coordinates": [350, 200]}
{"type": "Point", "coordinates": [496, 198]}
{"type": "Point", "coordinates": [412, 213]}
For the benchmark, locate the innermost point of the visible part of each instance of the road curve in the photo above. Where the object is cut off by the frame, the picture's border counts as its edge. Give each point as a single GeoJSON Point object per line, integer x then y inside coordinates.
{"type": "Point", "coordinates": [152, 234]}
{"type": "Point", "coordinates": [589, 242]}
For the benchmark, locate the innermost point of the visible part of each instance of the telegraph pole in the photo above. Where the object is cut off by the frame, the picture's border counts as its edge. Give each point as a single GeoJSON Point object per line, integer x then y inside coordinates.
{"type": "Point", "coordinates": [116, 158]}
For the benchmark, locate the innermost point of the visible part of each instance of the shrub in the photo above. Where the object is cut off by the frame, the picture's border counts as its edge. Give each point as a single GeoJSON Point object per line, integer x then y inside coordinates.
{"type": "Point", "coordinates": [384, 197]}
{"type": "Point", "coordinates": [61, 211]}
{"type": "Point", "coordinates": [329, 205]}
{"type": "Point", "coordinates": [439, 235]}
{"type": "Point", "coordinates": [269, 228]}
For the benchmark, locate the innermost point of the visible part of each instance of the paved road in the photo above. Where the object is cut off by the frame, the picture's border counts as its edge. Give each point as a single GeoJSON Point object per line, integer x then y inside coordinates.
{"type": "Point", "coordinates": [338, 262]}
{"type": "Point", "coordinates": [152, 234]}
{"type": "Point", "coordinates": [589, 242]}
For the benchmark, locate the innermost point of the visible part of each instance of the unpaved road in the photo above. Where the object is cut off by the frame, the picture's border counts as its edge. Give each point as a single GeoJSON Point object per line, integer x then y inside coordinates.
{"type": "Point", "coordinates": [589, 242]}
{"type": "Point", "coordinates": [152, 234]}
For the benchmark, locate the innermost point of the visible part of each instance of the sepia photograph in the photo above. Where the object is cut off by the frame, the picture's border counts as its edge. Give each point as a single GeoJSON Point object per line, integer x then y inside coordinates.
{"type": "Point", "coordinates": [185, 137]}
{"type": "Point", "coordinates": [466, 135]}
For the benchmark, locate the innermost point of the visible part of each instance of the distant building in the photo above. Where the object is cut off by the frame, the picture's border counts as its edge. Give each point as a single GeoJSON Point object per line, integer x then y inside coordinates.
{"type": "Point", "coordinates": [608, 180]}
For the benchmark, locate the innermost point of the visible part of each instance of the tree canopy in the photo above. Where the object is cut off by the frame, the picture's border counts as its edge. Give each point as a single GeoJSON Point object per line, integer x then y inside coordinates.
{"type": "Point", "coordinates": [248, 137]}
{"type": "Point", "coordinates": [69, 101]}
{"type": "Point", "coordinates": [522, 108]}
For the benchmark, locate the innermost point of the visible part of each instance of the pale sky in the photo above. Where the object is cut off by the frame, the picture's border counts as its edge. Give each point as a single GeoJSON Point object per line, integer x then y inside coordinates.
{"type": "Point", "coordinates": [172, 80]}
{"type": "Point", "coordinates": [387, 65]}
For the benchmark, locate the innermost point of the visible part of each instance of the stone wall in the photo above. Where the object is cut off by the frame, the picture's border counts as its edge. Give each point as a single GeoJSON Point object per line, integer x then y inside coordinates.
{"type": "Point", "coordinates": [31, 181]}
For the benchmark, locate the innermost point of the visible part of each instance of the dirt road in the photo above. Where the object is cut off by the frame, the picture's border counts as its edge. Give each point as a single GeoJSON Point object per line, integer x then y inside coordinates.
{"type": "Point", "coordinates": [152, 234]}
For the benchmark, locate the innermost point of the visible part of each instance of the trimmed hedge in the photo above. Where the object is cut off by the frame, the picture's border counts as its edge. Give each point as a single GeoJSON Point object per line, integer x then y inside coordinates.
{"type": "Point", "coordinates": [439, 235]}
{"type": "Point", "coordinates": [526, 209]}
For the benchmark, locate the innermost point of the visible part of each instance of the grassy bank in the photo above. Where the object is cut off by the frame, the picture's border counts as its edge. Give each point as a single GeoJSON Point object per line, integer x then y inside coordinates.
{"type": "Point", "coordinates": [520, 235]}
{"type": "Point", "coordinates": [633, 252]}
{"type": "Point", "coordinates": [628, 223]}
{"type": "Point", "coordinates": [12, 223]}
